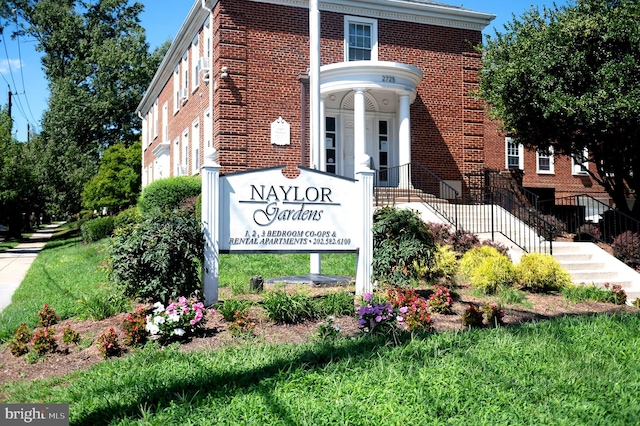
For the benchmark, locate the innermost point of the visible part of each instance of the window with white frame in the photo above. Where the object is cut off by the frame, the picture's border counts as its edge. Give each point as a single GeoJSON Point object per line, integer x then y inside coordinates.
{"type": "Point", "coordinates": [195, 63]}
{"type": "Point", "coordinates": [544, 161]}
{"type": "Point", "coordinates": [155, 119]}
{"type": "Point", "coordinates": [208, 134]}
{"type": "Point", "coordinates": [165, 122]}
{"type": "Point", "coordinates": [185, 74]}
{"type": "Point", "coordinates": [360, 39]}
{"type": "Point", "coordinates": [176, 157]}
{"type": "Point", "coordinates": [579, 163]}
{"type": "Point", "coordinates": [207, 40]}
{"type": "Point", "coordinates": [195, 143]}
{"type": "Point", "coordinates": [176, 89]}
{"type": "Point", "coordinates": [514, 154]}
{"type": "Point", "coordinates": [185, 152]}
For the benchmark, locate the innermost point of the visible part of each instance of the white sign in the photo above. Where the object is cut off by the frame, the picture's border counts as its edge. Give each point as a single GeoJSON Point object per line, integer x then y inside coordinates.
{"type": "Point", "coordinates": [280, 132]}
{"type": "Point", "coordinates": [266, 211]}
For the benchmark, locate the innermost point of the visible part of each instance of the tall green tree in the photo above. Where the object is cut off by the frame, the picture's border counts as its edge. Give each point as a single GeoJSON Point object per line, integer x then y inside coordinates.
{"type": "Point", "coordinates": [569, 78]}
{"type": "Point", "coordinates": [98, 64]}
{"type": "Point", "coordinates": [117, 184]}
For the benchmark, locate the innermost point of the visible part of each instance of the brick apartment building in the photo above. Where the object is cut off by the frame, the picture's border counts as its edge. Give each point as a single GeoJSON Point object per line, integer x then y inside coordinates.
{"type": "Point", "coordinates": [235, 80]}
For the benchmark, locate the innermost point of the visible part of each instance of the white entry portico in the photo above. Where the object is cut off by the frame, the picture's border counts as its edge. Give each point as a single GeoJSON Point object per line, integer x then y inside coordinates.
{"type": "Point", "coordinates": [365, 111]}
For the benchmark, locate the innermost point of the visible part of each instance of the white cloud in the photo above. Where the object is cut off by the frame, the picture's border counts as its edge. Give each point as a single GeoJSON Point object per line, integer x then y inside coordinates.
{"type": "Point", "coordinates": [9, 64]}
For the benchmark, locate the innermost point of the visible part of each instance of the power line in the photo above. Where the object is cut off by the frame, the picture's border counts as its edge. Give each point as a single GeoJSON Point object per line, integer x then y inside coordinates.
{"type": "Point", "coordinates": [24, 88]}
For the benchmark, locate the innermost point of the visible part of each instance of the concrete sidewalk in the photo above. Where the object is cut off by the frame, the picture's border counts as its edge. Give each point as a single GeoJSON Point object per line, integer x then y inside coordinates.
{"type": "Point", "coordinates": [15, 262]}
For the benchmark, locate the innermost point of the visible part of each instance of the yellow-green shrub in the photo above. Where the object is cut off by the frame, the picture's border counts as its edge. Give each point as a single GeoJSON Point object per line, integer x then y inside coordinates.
{"type": "Point", "coordinates": [445, 264]}
{"type": "Point", "coordinates": [487, 269]}
{"type": "Point", "coordinates": [541, 272]}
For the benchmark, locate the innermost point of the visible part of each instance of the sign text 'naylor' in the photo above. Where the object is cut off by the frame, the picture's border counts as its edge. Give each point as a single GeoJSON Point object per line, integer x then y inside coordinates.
{"type": "Point", "coordinates": [288, 215]}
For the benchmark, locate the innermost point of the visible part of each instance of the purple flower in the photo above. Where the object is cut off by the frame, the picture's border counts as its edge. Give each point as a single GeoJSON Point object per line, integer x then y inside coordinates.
{"type": "Point", "coordinates": [367, 297]}
{"type": "Point", "coordinates": [404, 310]}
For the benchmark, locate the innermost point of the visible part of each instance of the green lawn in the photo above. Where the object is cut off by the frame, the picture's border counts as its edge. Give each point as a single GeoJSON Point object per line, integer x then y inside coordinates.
{"type": "Point", "coordinates": [569, 371]}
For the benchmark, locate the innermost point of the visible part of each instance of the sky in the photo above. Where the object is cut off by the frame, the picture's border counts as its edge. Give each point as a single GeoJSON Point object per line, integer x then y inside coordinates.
{"type": "Point", "coordinates": [21, 70]}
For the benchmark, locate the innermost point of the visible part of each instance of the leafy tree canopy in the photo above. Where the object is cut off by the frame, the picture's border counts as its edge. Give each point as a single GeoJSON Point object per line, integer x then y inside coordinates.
{"type": "Point", "coordinates": [117, 184]}
{"type": "Point", "coordinates": [569, 78]}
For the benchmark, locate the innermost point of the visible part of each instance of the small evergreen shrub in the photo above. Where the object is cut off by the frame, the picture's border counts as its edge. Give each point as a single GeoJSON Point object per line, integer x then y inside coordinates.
{"type": "Point", "coordinates": [539, 272]}
{"type": "Point", "coordinates": [400, 239]}
{"type": "Point", "coordinates": [486, 269]}
{"type": "Point", "coordinates": [97, 229]}
{"type": "Point", "coordinates": [289, 308]}
{"type": "Point", "coordinates": [159, 259]}
{"type": "Point", "coordinates": [445, 265]}
{"type": "Point", "coordinates": [128, 217]}
{"type": "Point", "coordinates": [502, 249]}
{"type": "Point", "coordinates": [626, 247]}
{"type": "Point", "coordinates": [472, 316]}
{"type": "Point", "coordinates": [167, 194]}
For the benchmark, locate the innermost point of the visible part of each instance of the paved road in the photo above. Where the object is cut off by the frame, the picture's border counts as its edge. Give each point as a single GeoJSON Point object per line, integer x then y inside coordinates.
{"type": "Point", "coordinates": [15, 263]}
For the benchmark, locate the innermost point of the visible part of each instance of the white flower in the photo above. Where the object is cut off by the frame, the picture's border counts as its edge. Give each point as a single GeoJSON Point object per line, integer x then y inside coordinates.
{"type": "Point", "coordinates": [158, 319]}
{"type": "Point", "coordinates": [179, 332]}
{"type": "Point", "coordinates": [159, 307]}
{"type": "Point", "coordinates": [174, 318]}
{"type": "Point", "coordinates": [152, 328]}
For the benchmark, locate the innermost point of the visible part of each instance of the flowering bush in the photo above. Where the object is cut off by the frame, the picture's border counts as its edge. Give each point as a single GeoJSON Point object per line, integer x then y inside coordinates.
{"type": "Point", "coordinates": [241, 324]}
{"type": "Point", "coordinates": [619, 295]}
{"type": "Point", "coordinates": [69, 335]}
{"type": "Point", "coordinates": [327, 330]}
{"type": "Point", "coordinates": [47, 317]}
{"type": "Point", "coordinates": [108, 344]}
{"type": "Point", "coordinates": [441, 301]}
{"type": "Point", "coordinates": [134, 326]}
{"type": "Point", "coordinates": [44, 341]}
{"type": "Point", "coordinates": [472, 316]}
{"type": "Point", "coordinates": [494, 314]}
{"type": "Point", "coordinates": [379, 318]}
{"type": "Point", "coordinates": [179, 319]}
{"type": "Point", "coordinates": [416, 316]}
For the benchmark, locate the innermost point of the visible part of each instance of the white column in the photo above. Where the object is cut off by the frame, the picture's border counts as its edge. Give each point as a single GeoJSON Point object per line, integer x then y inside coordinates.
{"type": "Point", "coordinates": [404, 137]}
{"type": "Point", "coordinates": [321, 140]}
{"type": "Point", "coordinates": [364, 175]}
{"type": "Point", "coordinates": [359, 124]}
{"type": "Point", "coordinates": [314, 102]}
{"type": "Point", "coordinates": [211, 227]}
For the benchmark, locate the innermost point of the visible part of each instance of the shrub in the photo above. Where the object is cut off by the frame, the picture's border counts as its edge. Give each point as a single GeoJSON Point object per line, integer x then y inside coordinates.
{"type": "Point", "coordinates": [588, 232]}
{"type": "Point", "coordinates": [96, 229]}
{"type": "Point", "coordinates": [472, 317]}
{"type": "Point", "coordinates": [493, 313]}
{"type": "Point", "coordinates": [289, 308]}
{"type": "Point", "coordinates": [487, 269]}
{"type": "Point", "coordinates": [21, 338]}
{"type": "Point", "coordinates": [108, 343]}
{"type": "Point", "coordinates": [502, 249]}
{"type": "Point", "coordinates": [158, 259]}
{"type": "Point", "coordinates": [440, 300]}
{"type": "Point", "coordinates": [626, 247]}
{"type": "Point", "coordinates": [241, 324]}
{"type": "Point", "coordinates": [229, 308]}
{"type": "Point", "coordinates": [167, 194]}
{"type": "Point", "coordinates": [417, 315]}
{"type": "Point", "coordinates": [128, 217]}
{"type": "Point", "coordinates": [539, 272]}
{"type": "Point", "coordinates": [44, 341]}
{"type": "Point", "coordinates": [463, 241]}
{"type": "Point", "coordinates": [441, 232]}
{"type": "Point", "coordinates": [445, 265]}
{"type": "Point", "coordinates": [69, 335]}
{"type": "Point", "coordinates": [134, 327]}
{"type": "Point", "coordinates": [47, 317]}
{"type": "Point", "coordinates": [400, 238]}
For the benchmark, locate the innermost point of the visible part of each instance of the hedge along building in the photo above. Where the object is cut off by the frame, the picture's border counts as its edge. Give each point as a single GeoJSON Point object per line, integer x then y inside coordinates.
{"type": "Point", "coordinates": [396, 82]}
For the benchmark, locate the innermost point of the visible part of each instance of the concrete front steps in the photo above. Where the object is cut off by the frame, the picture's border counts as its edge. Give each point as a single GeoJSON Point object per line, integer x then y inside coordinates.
{"type": "Point", "coordinates": [589, 264]}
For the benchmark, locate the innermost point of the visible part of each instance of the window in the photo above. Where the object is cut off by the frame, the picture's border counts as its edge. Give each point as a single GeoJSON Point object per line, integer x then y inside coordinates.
{"type": "Point", "coordinates": [330, 144]}
{"type": "Point", "coordinates": [208, 128]}
{"type": "Point", "coordinates": [195, 142]}
{"type": "Point", "coordinates": [185, 152]}
{"type": "Point", "coordinates": [176, 89]}
{"type": "Point", "coordinates": [361, 39]}
{"type": "Point", "coordinates": [195, 62]}
{"type": "Point", "coordinates": [383, 149]}
{"type": "Point", "coordinates": [176, 157]}
{"type": "Point", "coordinates": [579, 163]}
{"type": "Point", "coordinates": [515, 154]}
{"type": "Point", "coordinates": [544, 161]}
{"type": "Point", "coordinates": [165, 122]}
{"type": "Point", "coordinates": [155, 119]}
{"type": "Point", "coordinates": [185, 73]}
